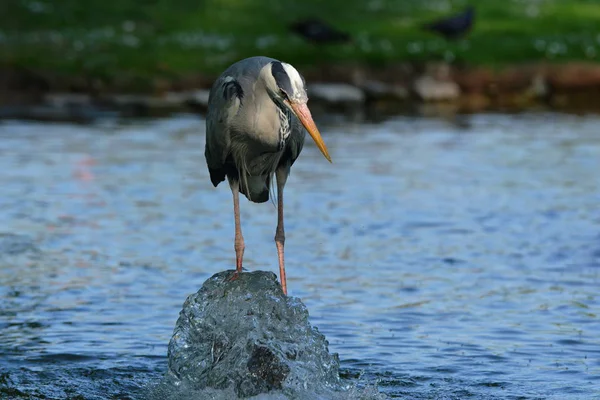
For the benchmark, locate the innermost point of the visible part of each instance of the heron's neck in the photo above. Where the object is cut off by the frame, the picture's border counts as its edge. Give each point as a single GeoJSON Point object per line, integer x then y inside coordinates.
{"type": "Point", "coordinates": [285, 120]}
{"type": "Point", "coordinates": [285, 125]}
{"type": "Point", "coordinates": [262, 122]}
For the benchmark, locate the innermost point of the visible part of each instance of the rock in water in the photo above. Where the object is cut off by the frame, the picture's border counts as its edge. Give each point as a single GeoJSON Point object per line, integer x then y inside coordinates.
{"type": "Point", "coordinates": [246, 335]}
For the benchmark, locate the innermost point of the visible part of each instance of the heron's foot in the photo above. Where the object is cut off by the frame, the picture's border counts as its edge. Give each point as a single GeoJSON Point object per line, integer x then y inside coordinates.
{"type": "Point", "coordinates": [236, 274]}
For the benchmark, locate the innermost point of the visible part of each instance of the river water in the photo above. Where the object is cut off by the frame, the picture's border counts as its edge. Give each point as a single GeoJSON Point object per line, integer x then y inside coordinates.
{"type": "Point", "coordinates": [441, 261]}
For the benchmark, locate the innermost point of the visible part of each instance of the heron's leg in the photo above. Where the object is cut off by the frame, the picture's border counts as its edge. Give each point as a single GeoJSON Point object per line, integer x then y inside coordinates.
{"type": "Point", "coordinates": [239, 239]}
{"type": "Point", "coordinates": [281, 175]}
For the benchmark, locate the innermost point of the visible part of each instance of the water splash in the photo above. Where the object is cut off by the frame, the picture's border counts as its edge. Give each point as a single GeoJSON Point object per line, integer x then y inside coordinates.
{"type": "Point", "coordinates": [245, 337]}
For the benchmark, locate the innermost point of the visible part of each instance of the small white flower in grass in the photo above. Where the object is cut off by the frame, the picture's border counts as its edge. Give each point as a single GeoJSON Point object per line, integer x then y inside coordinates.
{"type": "Point", "coordinates": [78, 45]}
{"type": "Point", "coordinates": [414, 47]}
{"type": "Point", "coordinates": [130, 41]}
{"type": "Point", "coordinates": [128, 26]}
{"type": "Point", "coordinates": [540, 45]}
{"type": "Point", "coordinates": [590, 51]}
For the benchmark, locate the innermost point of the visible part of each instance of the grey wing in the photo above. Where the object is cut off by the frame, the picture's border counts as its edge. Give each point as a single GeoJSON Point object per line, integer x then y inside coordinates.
{"type": "Point", "coordinates": [224, 102]}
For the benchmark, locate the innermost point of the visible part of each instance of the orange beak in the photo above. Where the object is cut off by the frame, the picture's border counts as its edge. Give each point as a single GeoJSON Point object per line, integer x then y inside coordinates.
{"type": "Point", "coordinates": [303, 114]}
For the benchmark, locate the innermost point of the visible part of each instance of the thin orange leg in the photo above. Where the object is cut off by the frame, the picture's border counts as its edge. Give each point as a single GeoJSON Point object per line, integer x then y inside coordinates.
{"type": "Point", "coordinates": [239, 238]}
{"type": "Point", "coordinates": [280, 232]}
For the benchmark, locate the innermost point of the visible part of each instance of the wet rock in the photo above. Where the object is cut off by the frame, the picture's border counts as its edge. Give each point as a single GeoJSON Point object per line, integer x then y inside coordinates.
{"type": "Point", "coordinates": [270, 372]}
{"type": "Point", "coordinates": [440, 71]}
{"type": "Point", "coordinates": [55, 114]}
{"type": "Point", "coordinates": [125, 100]}
{"type": "Point", "coordinates": [137, 105]}
{"type": "Point", "coordinates": [199, 97]}
{"type": "Point", "coordinates": [336, 93]}
{"type": "Point", "coordinates": [176, 97]}
{"type": "Point", "coordinates": [428, 88]}
{"type": "Point", "coordinates": [66, 100]}
{"type": "Point", "coordinates": [197, 100]}
{"type": "Point", "coordinates": [539, 87]}
{"type": "Point", "coordinates": [245, 335]}
{"type": "Point", "coordinates": [377, 90]}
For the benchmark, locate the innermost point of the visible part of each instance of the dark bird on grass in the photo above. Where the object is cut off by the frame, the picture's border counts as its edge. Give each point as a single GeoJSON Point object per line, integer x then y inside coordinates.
{"type": "Point", "coordinates": [453, 27]}
{"type": "Point", "coordinates": [319, 32]}
{"type": "Point", "coordinates": [255, 129]}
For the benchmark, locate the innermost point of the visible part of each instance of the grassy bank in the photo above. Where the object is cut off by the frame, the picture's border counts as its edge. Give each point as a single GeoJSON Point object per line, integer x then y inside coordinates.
{"type": "Point", "coordinates": [146, 40]}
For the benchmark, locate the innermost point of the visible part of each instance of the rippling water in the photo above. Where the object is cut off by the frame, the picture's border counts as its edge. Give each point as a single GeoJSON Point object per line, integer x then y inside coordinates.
{"type": "Point", "coordinates": [440, 262]}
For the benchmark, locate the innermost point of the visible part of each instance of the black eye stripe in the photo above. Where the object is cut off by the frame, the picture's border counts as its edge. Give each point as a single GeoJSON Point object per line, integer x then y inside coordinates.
{"type": "Point", "coordinates": [281, 77]}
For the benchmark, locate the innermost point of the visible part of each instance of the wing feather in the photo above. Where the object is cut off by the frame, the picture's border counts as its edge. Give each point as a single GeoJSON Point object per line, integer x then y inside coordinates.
{"type": "Point", "coordinates": [224, 102]}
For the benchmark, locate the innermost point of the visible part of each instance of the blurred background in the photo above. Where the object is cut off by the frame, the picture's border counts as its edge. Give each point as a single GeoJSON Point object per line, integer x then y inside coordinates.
{"type": "Point", "coordinates": [450, 251]}
{"type": "Point", "coordinates": [477, 54]}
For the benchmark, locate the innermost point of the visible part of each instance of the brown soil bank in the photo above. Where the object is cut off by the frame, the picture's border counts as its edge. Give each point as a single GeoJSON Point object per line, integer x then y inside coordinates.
{"type": "Point", "coordinates": [569, 86]}
{"type": "Point", "coordinates": [573, 87]}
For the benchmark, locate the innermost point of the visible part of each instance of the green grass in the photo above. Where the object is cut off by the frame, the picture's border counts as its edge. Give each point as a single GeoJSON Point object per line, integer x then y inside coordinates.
{"type": "Point", "coordinates": [148, 39]}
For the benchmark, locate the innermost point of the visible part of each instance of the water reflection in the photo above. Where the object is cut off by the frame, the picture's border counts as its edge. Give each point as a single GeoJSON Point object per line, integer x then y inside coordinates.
{"type": "Point", "coordinates": [438, 261]}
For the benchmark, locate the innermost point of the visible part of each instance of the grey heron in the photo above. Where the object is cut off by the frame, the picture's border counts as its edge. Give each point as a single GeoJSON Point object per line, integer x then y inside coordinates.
{"type": "Point", "coordinates": [255, 129]}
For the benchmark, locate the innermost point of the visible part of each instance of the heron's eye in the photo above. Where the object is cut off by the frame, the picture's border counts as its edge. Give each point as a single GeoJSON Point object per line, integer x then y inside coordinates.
{"type": "Point", "coordinates": [284, 94]}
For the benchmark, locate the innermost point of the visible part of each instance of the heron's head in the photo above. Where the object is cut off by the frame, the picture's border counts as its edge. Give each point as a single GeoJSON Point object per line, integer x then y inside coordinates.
{"type": "Point", "coordinates": [288, 89]}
